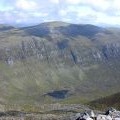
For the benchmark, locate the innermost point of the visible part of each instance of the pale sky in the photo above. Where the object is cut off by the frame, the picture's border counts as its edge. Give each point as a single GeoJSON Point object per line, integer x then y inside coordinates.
{"type": "Point", "coordinates": [97, 12]}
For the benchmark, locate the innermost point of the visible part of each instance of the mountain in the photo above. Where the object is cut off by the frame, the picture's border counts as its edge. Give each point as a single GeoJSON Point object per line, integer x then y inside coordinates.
{"type": "Point", "coordinates": [5, 27]}
{"type": "Point", "coordinates": [58, 62]}
{"type": "Point", "coordinates": [105, 102]}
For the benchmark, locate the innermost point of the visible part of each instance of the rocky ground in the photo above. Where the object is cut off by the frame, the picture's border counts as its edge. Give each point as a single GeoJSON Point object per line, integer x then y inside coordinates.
{"type": "Point", "coordinates": [52, 112]}
{"type": "Point", "coordinates": [45, 112]}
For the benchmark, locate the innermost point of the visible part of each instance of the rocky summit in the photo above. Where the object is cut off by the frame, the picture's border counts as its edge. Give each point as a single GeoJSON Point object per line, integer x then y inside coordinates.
{"type": "Point", "coordinates": [58, 62]}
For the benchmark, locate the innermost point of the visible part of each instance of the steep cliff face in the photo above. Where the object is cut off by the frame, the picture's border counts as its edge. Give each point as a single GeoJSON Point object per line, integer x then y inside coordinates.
{"type": "Point", "coordinates": [58, 56]}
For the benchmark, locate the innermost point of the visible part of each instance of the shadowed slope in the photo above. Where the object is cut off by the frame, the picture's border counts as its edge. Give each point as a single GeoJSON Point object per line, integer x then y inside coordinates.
{"type": "Point", "coordinates": [105, 102]}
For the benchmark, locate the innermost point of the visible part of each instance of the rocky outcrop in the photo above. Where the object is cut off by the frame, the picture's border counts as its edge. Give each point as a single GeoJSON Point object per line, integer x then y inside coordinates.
{"type": "Point", "coordinates": [61, 52]}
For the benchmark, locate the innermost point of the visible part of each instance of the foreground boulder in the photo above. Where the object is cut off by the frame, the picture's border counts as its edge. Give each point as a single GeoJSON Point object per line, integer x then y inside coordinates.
{"type": "Point", "coordinates": [110, 114]}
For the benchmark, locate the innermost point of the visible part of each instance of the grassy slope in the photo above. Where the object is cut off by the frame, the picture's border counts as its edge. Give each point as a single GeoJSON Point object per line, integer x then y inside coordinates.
{"type": "Point", "coordinates": [27, 81]}
{"type": "Point", "coordinates": [105, 102]}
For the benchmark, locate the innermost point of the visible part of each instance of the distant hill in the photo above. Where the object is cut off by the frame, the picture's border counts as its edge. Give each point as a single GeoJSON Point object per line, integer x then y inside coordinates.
{"type": "Point", "coordinates": [66, 29]}
{"type": "Point", "coordinates": [107, 102]}
{"type": "Point", "coordinates": [5, 27]}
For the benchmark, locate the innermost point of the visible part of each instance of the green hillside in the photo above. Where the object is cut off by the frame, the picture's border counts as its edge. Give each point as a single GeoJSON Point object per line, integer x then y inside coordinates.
{"type": "Point", "coordinates": [107, 102]}
{"type": "Point", "coordinates": [58, 62]}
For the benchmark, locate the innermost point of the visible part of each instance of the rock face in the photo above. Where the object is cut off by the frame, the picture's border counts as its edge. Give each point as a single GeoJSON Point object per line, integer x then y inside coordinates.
{"type": "Point", "coordinates": [77, 44]}
{"type": "Point", "coordinates": [56, 56]}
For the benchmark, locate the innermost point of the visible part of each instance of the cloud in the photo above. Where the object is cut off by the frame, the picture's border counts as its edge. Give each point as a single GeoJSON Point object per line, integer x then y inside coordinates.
{"type": "Point", "coordinates": [116, 4]}
{"type": "Point", "coordinates": [38, 14]}
{"type": "Point", "coordinates": [55, 1]}
{"type": "Point", "coordinates": [26, 4]}
{"type": "Point", "coordinates": [63, 12]}
{"type": "Point", "coordinates": [99, 4]}
{"type": "Point", "coordinates": [74, 11]}
{"type": "Point", "coordinates": [74, 1]}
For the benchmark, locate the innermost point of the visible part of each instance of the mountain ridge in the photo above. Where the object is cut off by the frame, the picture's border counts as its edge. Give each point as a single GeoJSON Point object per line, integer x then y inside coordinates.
{"type": "Point", "coordinates": [80, 59]}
